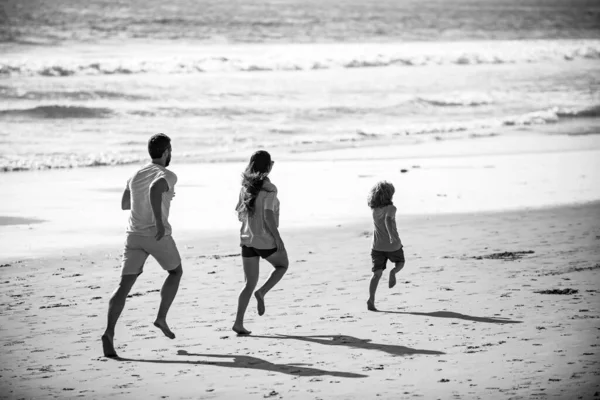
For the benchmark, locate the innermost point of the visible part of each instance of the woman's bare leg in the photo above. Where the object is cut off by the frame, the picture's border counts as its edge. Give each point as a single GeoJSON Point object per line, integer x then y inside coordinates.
{"type": "Point", "coordinates": [251, 275]}
{"type": "Point", "coordinates": [280, 261]}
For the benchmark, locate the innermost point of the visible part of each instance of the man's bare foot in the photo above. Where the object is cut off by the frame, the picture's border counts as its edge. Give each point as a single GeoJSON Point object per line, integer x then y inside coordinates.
{"type": "Point", "coordinates": [261, 302]}
{"type": "Point", "coordinates": [107, 346]}
{"type": "Point", "coordinates": [371, 306]}
{"type": "Point", "coordinates": [392, 280]}
{"type": "Point", "coordinates": [240, 330]}
{"type": "Point", "coordinates": [162, 325]}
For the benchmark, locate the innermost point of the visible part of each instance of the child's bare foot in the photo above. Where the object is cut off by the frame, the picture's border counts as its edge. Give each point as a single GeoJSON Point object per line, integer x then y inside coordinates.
{"type": "Point", "coordinates": [240, 330]}
{"type": "Point", "coordinates": [392, 280]}
{"type": "Point", "coordinates": [162, 325]}
{"type": "Point", "coordinates": [371, 306]}
{"type": "Point", "coordinates": [261, 302]}
{"type": "Point", "coordinates": [107, 346]}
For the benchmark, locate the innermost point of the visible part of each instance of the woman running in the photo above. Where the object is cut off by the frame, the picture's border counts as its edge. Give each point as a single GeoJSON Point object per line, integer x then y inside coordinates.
{"type": "Point", "coordinates": [258, 211]}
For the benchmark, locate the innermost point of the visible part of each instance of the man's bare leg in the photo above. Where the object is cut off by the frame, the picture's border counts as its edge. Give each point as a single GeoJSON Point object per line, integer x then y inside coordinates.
{"type": "Point", "coordinates": [280, 261]}
{"type": "Point", "coordinates": [167, 295]}
{"type": "Point", "coordinates": [251, 275]}
{"type": "Point", "coordinates": [115, 308]}
{"type": "Point", "coordinates": [373, 288]}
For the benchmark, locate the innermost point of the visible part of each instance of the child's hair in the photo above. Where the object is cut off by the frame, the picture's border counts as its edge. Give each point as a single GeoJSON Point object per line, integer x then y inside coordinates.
{"type": "Point", "coordinates": [253, 179]}
{"type": "Point", "coordinates": [381, 195]}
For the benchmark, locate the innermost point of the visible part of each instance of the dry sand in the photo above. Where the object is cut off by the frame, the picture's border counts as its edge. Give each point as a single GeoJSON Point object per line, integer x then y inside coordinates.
{"type": "Point", "coordinates": [466, 319]}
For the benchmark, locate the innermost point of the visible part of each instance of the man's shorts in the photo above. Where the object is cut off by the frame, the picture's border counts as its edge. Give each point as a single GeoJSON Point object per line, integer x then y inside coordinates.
{"type": "Point", "coordinates": [380, 258]}
{"type": "Point", "coordinates": [138, 248]}
{"type": "Point", "coordinates": [254, 252]}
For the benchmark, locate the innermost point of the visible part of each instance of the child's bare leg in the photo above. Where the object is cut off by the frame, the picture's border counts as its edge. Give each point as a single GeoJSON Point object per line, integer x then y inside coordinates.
{"type": "Point", "coordinates": [373, 288]}
{"type": "Point", "coordinates": [251, 275]}
{"type": "Point", "coordinates": [393, 272]}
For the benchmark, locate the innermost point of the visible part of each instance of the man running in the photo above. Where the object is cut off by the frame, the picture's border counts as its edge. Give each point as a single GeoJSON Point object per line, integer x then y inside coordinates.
{"type": "Point", "coordinates": [148, 195]}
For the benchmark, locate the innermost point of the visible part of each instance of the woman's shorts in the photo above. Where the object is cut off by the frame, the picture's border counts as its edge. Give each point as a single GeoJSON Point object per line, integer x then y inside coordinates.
{"type": "Point", "coordinates": [254, 252]}
{"type": "Point", "coordinates": [380, 258]}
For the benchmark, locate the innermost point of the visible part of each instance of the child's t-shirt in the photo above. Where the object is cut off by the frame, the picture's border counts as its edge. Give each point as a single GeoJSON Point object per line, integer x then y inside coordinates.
{"type": "Point", "coordinates": [381, 238]}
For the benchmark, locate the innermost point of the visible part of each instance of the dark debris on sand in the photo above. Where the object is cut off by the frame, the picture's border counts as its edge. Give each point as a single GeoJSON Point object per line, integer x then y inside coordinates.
{"type": "Point", "coordinates": [557, 291]}
{"type": "Point", "coordinates": [57, 305]}
{"type": "Point", "coordinates": [507, 255]}
{"type": "Point", "coordinates": [573, 269]}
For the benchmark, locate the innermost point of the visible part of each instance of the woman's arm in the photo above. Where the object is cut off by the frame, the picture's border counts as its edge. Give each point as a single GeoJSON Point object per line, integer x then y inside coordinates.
{"type": "Point", "coordinates": [271, 224]}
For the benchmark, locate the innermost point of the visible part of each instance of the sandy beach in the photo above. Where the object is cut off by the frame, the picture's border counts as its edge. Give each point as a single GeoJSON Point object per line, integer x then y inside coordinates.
{"type": "Point", "coordinates": [498, 299]}
{"type": "Point", "coordinates": [484, 115]}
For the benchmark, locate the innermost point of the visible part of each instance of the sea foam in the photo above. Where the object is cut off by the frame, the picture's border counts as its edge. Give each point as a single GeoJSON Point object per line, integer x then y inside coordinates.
{"type": "Point", "coordinates": [192, 60]}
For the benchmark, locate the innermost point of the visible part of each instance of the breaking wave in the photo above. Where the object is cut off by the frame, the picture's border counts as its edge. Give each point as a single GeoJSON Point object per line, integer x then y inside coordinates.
{"type": "Point", "coordinates": [295, 141]}
{"type": "Point", "coordinates": [10, 93]}
{"type": "Point", "coordinates": [502, 52]}
{"type": "Point", "coordinates": [58, 112]}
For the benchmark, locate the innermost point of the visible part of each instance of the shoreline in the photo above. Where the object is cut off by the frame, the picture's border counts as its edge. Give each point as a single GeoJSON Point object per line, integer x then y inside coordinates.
{"type": "Point", "coordinates": [81, 207]}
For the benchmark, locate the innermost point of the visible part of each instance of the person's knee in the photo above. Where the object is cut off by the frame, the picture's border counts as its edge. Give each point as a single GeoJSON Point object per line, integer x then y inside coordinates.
{"type": "Point", "coordinates": [251, 283]}
{"type": "Point", "coordinates": [377, 273]}
{"type": "Point", "coordinates": [127, 282]}
{"type": "Point", "coordinates": [178, 272]}
{"type": "Point", "coordinates": [400, 265]}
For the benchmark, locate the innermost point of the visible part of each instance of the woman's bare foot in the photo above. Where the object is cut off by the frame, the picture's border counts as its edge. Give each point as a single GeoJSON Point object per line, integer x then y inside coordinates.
{"type": "Point", "coordinates": [260, 302]}
{"type": "Point", "coordinates": [162, 325]}
{"type": "Point", "coordinates": [107, 346]}
{"type": "Point", "coordinates": [371, 306]}
{"type": "Point", "coordinates": [240, 330]}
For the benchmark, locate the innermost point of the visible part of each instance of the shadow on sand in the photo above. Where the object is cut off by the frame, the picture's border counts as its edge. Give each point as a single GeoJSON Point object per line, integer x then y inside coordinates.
{"type": "Point", "coordinates": [249, 362]}
{"type": "Point", "coordinates": [450, 314]}
{"type": "Point", "coordinates": [350, 341]}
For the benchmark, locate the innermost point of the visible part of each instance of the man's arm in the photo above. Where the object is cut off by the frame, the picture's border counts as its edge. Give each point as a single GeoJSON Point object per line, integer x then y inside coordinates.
{"type": "Point", "coordinates": [126, 200]}
{"type": "Point", "coordinates": [156, 191]}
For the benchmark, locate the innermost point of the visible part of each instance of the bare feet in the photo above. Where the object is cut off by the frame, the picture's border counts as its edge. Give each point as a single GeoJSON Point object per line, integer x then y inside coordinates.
{"type": "Point", "coordinates": [261, 302]}
{"type": "Point", "coordinates": [371, 306]}
{"type": "Point", "coordinates": [240, 330]}
{"type": "Point", "coordinates": [392, 280]}
{"type": "Point", "coordinates": [107, 346]}
{"type": "Point", "coordinates": [162, 325]}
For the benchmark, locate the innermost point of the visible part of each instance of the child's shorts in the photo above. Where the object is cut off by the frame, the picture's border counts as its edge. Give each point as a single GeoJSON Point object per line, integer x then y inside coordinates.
{"type": "Point", "coordinates": [380, 258]}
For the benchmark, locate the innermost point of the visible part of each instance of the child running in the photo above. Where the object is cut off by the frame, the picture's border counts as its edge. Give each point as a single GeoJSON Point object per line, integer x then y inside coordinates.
{"type": "Point", "coordinates": [386, 241]}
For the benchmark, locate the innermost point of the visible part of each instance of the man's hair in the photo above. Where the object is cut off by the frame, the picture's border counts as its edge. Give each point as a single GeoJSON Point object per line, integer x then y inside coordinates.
{"type": "Point", "coordinates": [158, 144]}
{"type": "Point", "coordinates": [381, 195]}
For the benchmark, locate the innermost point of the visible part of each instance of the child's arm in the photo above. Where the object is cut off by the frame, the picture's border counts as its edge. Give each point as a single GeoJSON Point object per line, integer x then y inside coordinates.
{"type": "Point", "coordinates": [389, 217]}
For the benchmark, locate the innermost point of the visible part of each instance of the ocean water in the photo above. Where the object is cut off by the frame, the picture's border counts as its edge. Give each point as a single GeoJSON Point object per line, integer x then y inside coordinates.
{"type": "Point", "coordinates": [86, 83]}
